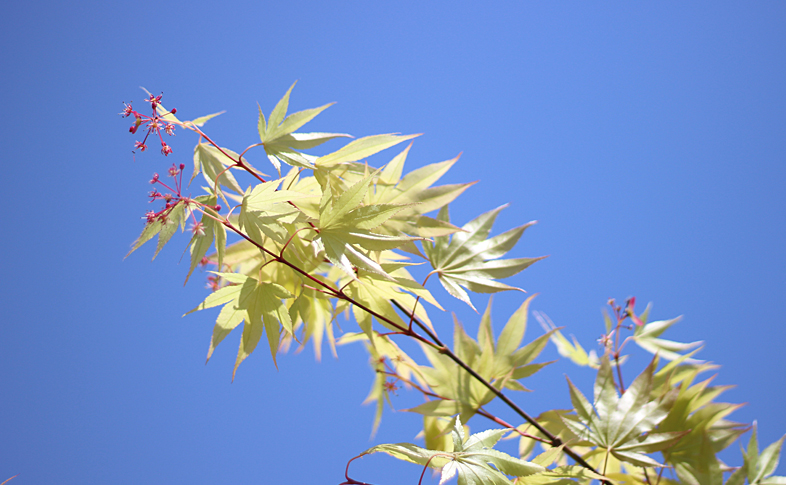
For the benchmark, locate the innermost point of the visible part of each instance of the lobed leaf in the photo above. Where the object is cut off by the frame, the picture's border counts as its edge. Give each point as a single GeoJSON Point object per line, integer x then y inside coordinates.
{"type": "Point", "coordinates": [468, 259]}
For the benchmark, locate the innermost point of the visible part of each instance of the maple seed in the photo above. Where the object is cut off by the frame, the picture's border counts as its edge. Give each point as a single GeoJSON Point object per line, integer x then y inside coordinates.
{"type": "Point", "coordinates": [136, 124]}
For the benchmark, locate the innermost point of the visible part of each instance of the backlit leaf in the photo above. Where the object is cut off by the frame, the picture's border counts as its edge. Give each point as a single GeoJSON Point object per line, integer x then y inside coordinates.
{"type": "Point", "coordinates": [470, 260]}
{"type": "Point", "coordinates": [361, 148]}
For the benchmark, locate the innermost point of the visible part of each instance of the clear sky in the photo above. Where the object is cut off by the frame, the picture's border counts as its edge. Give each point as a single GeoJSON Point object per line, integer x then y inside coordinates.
{"type": "Point", "coordinates": [646, 138]}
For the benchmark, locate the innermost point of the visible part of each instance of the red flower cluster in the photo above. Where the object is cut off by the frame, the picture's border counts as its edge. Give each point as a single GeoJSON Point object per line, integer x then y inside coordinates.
{"type": "Point", "coordinates": [171, 198]}
{"type": "Point", "coordinates": [153, 124]}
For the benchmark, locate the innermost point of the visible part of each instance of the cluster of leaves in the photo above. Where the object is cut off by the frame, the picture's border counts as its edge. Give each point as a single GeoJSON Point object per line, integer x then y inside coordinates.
{"type": "Point", "coordinates": [323, 238]}
{"type": "Point", "coordinates": [337, 235]}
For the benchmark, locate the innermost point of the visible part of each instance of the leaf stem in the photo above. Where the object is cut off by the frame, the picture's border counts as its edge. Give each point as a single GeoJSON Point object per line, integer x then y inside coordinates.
{"type": "Point", "coordinates": [617, 350]}
{"type": "Point", "coordinates": [238, 162]}
{"type": "Point", "coordinates": [351, 481]}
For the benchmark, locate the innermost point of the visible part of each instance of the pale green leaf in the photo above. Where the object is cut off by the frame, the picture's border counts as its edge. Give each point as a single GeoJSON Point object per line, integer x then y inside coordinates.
{"type": "Point", "coordinates": [277, 116]}
{"type": "Point", "coordinates": [438, 407]}
{"type": "Point", "coordinates": [229, 318]}
{"type": "Point", "coordinates": [151, 230]}
{"type": "Point", "coordinates": [469, 260]}
{"type": "Point", "coordinates": [201, 240]}
{"type": "Point", "coordinates": [203, 119]}
{"type": "Point", "coordinates": [219, 297]}
{"type": "Point", "coordinates": [296, 120]}
{"type": "Point", "coordinates": [173, 220]}
{"type": "Point", "coordinates": [214, 166]}
{"type": "Point", "coordinates": [513, 333]}
{"type": "Point", "coordinates": [361, 148]}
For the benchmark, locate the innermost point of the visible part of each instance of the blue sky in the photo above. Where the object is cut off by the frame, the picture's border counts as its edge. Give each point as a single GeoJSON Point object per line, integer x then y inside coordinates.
{"type": "Point", "coordinates": [647, 140]}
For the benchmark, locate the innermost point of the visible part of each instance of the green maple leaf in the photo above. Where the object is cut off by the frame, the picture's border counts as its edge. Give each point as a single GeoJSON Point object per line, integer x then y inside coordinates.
{"type": "Point", "coordinates": [258, 304]}
{"type": "Point", "coordinates": [203, 238]}
{"type": "Point", "coordinates": [176, 217]}
{"type": "Point", "coordinates": [282, 144]}
{"type": "Point", "coordinates": [471, 459]}
{"type": "Point", "coordinates": [345, 229]}
{"type": "Point", "coordinates": [265, 208]}
{"type": "Point", "coordinates": [647, 337]}
{"type": "Point", "coordinates": [561, 475]}
{"type": "Point", "coordinates": [758, 468]}
{"type": "Point", "coordinates": [502, 363]}
{"type": "Point", "coordinates": [415, 190]}
{"type": "Point", "coordinates": [360, 149]}
{"type": "Point", "coordinates": [623, 426]}
{"type": "Point", "coordinates": [469, 260]}
{"type": "Point", "coordinates": [376, 291]}
{"type": "Point", "coordinates": [315, 311]}
{"type": "Point", "coordinates": [214, 166]}
{"type": "Point", "coordinates": [266, 311]}
{"type": "Point", "coordinates": [233, 311]}
{"type": "Point", "coordinates": [694, 409]}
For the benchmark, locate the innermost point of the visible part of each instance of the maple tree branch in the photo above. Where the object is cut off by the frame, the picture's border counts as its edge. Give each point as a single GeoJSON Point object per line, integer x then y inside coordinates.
{"type": "Point", "coordinates": [554, 441]}
{"type": "Point", "coordinates": [336, 293]}
{"type": "Point", "coordinates": [238, 162]}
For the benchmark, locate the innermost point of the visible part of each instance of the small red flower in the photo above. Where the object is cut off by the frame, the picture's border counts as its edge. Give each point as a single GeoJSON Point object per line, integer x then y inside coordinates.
{"type": "Point", "coordinates": [170, 129]}
{"type": "Point", "coordinates": [141, 146]}
{"type": "Point", "coordinates": [390, 386]}
{"type": "Point", "coordinates": [127, 111]}
{"type": "Point", "coordinates": [212, 282]}
{"type": "Point", "coordinates": [197, 228]}
{"type": "Point", "coordinates": [165, 149]}
{"type": "Point", "coordinates": [155, 100]}
{"type": "Point", "coordinates": [630, 313]}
